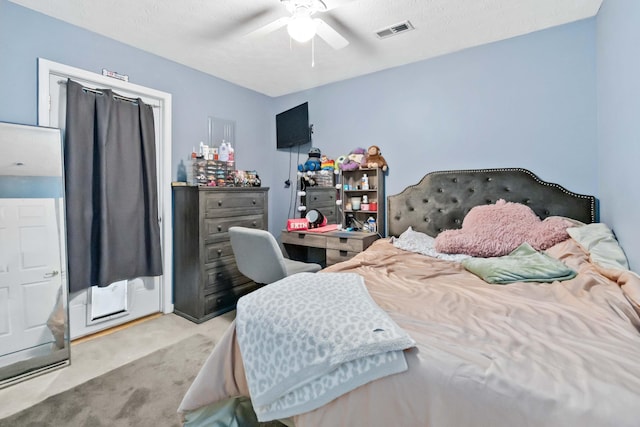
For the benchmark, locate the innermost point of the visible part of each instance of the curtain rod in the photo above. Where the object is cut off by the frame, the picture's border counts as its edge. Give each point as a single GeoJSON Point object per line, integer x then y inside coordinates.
{"type": "Point", "coordinates": [98, 92]}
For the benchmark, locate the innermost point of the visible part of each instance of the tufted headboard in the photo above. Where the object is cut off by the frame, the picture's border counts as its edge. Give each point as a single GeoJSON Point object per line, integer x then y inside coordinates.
{"type": "Point", "coordinates": [441, 199]}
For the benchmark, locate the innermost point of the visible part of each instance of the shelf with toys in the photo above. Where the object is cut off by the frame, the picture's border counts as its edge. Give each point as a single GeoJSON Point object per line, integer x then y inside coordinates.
{"type": "Point", "coordinates": [349, 191]}
{"type": "Point", "coordinates": [362, 190]}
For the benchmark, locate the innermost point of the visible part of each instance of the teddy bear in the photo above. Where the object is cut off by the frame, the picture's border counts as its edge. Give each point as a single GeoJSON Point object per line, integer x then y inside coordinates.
{"type": "Point", "coordinates": [374, 159]}
{"type": "Point", "coordinates": [313, 161]}
{"type": "Point", "coordinates": [353, 160]}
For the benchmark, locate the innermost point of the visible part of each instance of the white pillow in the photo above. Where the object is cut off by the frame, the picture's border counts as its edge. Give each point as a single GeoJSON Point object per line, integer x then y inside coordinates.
{"type": "Point", "coordinates": [414, 241]}
{"type": "Point", "coordinates": [600, 242]}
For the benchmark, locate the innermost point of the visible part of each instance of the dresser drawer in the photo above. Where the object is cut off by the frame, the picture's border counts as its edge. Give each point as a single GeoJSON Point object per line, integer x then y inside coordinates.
{"type": "Point", "coordinates": [223, 277]}
{"type": "Point", "coordinates": [329, 211]}
{"type": "Point", "coordinates": [345, 244]}
{"type": "Point", "coordinates": [335, 256]}
{"type": "Point", "coordinates": [304, 239]}
{"type": "Point", "coordinates": [221, 204]}
{"type": "Point", "coordinates": [224, 301]}
{"type": "Point", "coordinates": [217, 252]}
{"type": "Point", "coordinates": [321, 196]}
{"type": "Point", "coordinates": [219, 302]}
{"type": "Point", "coordinates": [217, 228]}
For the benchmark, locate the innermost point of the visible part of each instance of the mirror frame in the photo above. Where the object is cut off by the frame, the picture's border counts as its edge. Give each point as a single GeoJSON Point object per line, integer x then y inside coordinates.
{"type": "Point", "coordinates": [27, 168]}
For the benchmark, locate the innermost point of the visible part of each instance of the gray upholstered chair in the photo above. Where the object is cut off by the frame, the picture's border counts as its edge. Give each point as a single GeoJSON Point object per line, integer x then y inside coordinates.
{"type": "Point", "coordinates": [259, 257]}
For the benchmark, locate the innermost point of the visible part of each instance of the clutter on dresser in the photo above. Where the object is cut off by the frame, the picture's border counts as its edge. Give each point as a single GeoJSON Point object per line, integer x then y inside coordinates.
{"type": "Point", "coordinates": [214, 166]}
{"type": "Point", "coordinates": [246, 179]}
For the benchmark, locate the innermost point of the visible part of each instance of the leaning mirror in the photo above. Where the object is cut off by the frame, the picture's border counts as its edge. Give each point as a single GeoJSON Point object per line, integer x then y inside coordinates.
{"type": "Point", "coordinates": [34, 334]}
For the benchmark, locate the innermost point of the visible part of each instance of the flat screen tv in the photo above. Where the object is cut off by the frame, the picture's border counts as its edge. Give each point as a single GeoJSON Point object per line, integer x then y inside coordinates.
{"type": "Point", "coordinates": [292, 127]}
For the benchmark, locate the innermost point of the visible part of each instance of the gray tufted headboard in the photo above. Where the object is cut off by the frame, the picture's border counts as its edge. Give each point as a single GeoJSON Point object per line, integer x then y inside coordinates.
{"type": "Point", "coordinates": [441, 199]}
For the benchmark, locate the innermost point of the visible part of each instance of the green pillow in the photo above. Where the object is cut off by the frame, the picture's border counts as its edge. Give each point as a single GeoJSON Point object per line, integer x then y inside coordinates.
{"type": "Point", "coordinates": [523, 264]}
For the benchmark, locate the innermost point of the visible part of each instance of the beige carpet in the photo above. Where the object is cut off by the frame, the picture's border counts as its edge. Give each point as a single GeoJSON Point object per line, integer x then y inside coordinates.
{"type": "Point", "coordinates": [145, 392]}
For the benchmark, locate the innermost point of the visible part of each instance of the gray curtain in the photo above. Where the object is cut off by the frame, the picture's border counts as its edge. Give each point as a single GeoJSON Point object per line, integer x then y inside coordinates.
{"type": "Point", "coordinates": [111, 189]}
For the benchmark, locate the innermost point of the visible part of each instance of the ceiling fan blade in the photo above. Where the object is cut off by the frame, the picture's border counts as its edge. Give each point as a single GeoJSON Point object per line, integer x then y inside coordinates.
{"type": "Point", "coordinates": [219, 31]}
{"type": "Point", "coordinates": [356, 39]}
{"type": "Point", "coordinates": [254, 16]}
{"type": "Point", "coordinates": [332, 4]}
{"type": "Point", "coordinates": [269, 28]}
{"type": "Point", "coordinates": [329, 35]}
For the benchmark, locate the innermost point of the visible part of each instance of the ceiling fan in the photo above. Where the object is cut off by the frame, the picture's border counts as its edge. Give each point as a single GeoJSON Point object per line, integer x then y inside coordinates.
{"type": "Point", "coordinates": [301, 25]}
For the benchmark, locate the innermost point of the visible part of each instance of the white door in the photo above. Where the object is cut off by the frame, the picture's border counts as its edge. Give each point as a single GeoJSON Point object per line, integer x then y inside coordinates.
{"type": "Point", "coordinates": [138, 297]}
{"type": "Point", "coordinates": [30, 271]}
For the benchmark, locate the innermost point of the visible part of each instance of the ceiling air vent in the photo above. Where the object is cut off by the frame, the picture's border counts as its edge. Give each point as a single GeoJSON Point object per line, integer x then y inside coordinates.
{"type": "Point", "coordinates": [395, 29]}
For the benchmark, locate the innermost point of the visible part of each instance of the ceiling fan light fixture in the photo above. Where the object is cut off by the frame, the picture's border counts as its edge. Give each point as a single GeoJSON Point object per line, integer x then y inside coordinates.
{"type": "Point", "coordinates": [301, 27]}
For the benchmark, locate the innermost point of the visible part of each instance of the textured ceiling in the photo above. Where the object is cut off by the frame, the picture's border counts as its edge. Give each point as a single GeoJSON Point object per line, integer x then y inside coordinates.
{"type": "Point", "coordinates": [211, 35]}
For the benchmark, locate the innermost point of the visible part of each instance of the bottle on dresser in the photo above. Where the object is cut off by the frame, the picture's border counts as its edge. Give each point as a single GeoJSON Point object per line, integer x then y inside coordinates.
{"type": "Point", "coordinates": [371, 222]}
{"type": "Point", "coordinates": [365, 182]}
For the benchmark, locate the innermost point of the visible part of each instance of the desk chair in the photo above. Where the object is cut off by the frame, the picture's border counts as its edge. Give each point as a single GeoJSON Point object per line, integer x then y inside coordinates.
{"type": "Point", "coordinates": [259, 257]}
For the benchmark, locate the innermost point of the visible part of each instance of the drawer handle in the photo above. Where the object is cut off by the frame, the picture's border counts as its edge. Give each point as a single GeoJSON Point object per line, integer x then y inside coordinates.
{"type": "Point", "coordinates": [343, 253]}
{"type": "Point", "coordinates": [219, 202]}
{"type": "Point", "coordinates": [254, 223]}
{"type": "Point", "coordinates": [344, 239]}
{"type": "Point", "coordinates": [315, 198]}
{"type": "Point", "coordinates": [219, 228]}
{"type": "Point", "coordinates": [219, 252]}
{"type": "Point", "coordinates": [253, 201]}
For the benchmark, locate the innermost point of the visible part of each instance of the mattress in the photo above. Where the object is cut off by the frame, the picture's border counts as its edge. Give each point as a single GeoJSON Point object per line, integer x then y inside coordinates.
{"type": "Point", "coordinates": [527, 354]}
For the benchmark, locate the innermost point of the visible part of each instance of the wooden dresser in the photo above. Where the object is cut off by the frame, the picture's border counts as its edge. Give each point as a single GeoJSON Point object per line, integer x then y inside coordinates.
{"type": "Point", "coordinates": [206, 281]}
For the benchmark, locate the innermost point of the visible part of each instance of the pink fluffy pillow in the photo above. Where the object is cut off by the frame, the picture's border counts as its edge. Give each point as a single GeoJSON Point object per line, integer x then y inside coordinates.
{"type": "Point", "coordinates": [496, 230]}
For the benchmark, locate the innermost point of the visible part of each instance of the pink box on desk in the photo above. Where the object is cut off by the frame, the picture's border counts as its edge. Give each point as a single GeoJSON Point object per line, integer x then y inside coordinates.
{"type": "Point", "coordinates": [297, 224]}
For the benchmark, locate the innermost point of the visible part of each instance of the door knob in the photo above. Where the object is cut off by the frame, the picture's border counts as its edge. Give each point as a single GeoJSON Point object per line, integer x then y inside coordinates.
{"type": "Point", "coordinates": [52, 274]}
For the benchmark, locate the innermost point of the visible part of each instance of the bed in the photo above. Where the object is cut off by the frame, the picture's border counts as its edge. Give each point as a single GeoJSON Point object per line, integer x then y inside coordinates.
{"type": "Point", "coordinates": [560, 353]}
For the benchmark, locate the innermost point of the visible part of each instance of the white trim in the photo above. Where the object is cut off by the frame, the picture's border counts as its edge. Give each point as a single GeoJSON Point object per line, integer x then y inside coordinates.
{"type": "Point", "coordinates": [47, 68]}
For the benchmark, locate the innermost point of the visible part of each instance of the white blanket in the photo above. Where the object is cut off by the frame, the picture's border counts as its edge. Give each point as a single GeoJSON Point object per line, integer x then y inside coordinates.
{"type": "Point", "coordinates": [310, 338]}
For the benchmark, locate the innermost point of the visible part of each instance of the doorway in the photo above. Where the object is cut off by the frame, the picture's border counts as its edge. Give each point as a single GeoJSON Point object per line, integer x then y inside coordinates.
{"type": "Point", "coordinates": [95, 309]}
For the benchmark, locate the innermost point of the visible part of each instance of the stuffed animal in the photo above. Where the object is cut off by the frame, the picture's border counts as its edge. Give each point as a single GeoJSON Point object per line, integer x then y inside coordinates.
{"type": "Point", "coordinates": [313, 161]}
{"type": "Point", "coordinates": [339, 161]}
{"type": "Point", "coordinates": [307, 179]}
{"type": "Point", "coordinates": [326, 163]}
{"type": "Point", "coordinates": [374, 159]}
{"type": "Point", "coordinates": [353, 160]}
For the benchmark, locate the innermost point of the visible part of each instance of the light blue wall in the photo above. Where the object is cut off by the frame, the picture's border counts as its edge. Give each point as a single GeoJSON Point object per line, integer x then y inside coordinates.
{"type": "Point", "coordinates": [26, 35]}
{"type": "Point", "coordinates": [527, 102]}
{"type": "Point", "coordinates": [28, 187]}
{"type": "Point", "coordinates": [618, 64]}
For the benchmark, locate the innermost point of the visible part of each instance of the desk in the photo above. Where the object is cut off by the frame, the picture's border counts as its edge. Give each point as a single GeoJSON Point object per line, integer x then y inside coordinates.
{"type": "Point", "coordinates": [326, 248]}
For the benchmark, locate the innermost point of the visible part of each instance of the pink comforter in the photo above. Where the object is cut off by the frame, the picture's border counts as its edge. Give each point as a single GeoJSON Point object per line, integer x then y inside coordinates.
{"type": "Point", "coordinates": [525, 354]}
